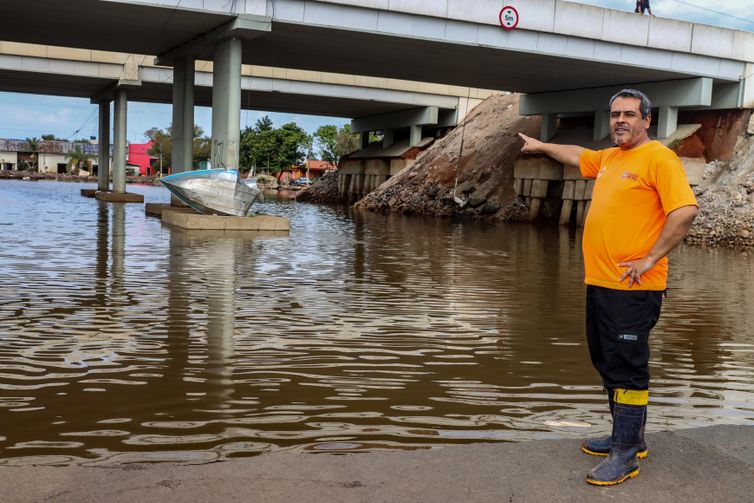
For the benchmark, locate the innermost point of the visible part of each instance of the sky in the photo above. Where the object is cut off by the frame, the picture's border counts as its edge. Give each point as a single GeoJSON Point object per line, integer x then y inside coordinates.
{"type": "Point", "coordinates": [733, 14]}
{"type": "Point", "coordinates": [26, 115]}
{"type": "Point", "coordinates": [29, 115]}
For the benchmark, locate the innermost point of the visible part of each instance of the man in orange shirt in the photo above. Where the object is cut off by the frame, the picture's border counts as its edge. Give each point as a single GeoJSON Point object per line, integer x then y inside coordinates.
{"type": "Point", "coordinates": [642, 207]}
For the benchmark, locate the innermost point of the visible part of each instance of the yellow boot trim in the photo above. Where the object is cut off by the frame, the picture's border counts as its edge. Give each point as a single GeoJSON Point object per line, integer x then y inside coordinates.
{"type": "Point", "coordinates": [613, 482]}
{"type": "Point", "coordinates": [587, 450]}
{"type": "Point", "coordinates": [631, 396]}
{"type": "Point", "coordinates": [641, 454]}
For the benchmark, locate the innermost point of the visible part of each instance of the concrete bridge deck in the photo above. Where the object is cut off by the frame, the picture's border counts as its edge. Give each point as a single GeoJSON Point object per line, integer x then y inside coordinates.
{"type": "Point", "coordinates": [85, 73]}
{"type": "Point", "coordinates": [685, 466]}
{"type": "Point", "coordinates": [448, 41]}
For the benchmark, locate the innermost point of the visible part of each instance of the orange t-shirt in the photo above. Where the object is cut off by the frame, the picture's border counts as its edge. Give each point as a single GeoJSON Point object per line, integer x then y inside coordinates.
{"type": "Point", "coordinates": [633, 194]}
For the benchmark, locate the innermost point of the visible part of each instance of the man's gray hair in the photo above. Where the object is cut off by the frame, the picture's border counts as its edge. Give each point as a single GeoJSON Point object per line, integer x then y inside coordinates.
{"type": "Point", "coordinates": [645, 106]}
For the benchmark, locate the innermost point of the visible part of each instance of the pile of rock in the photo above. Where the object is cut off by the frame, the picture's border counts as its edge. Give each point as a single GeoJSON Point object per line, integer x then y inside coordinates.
{"type": "Point", "coordinates": [726, 201]}
{"type": "Point", "coordinates": [324, 190]}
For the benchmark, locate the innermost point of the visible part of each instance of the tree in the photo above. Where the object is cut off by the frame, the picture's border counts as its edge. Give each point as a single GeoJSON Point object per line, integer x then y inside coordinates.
{"type": "Point", "coordinates": [294, 144]}
{"type": "Point", "coordinates": [49, 137]}
{"type": "Point", "coordinates": [326, 138]}
{"type": "Point", "coordinates": [263, 124]}
{"type": "Point", "coordinates": [77, 158]}
{"type": "Point", "coordinates": [264, 146]}
{"type": "Point", "coordinates": [163, 145]}
{"type": "Point", "coordinates": [346, 141]}
{"type": "Point", "coordinates": [202, 146]}
{"type": "Point", "coordinates": [34, 148]}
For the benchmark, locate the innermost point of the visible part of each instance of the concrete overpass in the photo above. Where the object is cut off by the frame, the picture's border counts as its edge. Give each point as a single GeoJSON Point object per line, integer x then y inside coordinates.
{"type": "Point", "coordinates": [561, 53]}
{"type": "Point", "coordinates": [33, 68]}
{"type": "Point", "coordinates": [450, 41]}
{"type": "Point", "coordinates": [83, 73]}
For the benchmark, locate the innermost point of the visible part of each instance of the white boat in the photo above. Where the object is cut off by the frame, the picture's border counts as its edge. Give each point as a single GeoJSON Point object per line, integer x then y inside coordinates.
{"type": "Point", "coordinates": [214, 191]}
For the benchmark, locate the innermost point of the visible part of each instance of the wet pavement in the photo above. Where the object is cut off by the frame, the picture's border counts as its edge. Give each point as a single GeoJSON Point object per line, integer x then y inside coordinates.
{"type": "Point", "coordinates": [714, 464]}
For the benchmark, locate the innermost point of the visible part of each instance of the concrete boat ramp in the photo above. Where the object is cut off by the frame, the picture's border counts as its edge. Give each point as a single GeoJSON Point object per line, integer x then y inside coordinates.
{"type": "Point", "coordinates": [713, 464]}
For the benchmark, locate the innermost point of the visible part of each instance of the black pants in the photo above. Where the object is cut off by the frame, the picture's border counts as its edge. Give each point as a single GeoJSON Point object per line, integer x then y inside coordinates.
{"type": "Point", "coordinates": [618, 323]}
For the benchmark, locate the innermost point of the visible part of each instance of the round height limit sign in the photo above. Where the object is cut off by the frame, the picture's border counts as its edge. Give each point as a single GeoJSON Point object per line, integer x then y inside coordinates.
{"type": "Point", "coordinates": [508, 17]}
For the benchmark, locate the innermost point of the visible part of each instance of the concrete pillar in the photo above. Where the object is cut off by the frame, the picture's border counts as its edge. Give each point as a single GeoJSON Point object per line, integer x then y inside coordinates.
{"type": "Point", "coordinates": [746, 99]}
{"type": "Point", "coordinates": [601, 124]}
{"type": "Point", "coordinates": [388, 138]}
{"type": "Point", "coordinates": [120, 151]}
{"type": "Point", "coordinates": [364, 137]}
{"type": "Point", "coordinates": [103, 161]}
{"type": "Point", "coordinates": [183, 114]}
{"type": "Point", "coordinates": [415, 135]}
{"type": "Point", "coordinates": [548, 127]}
{"type": "Point", "coordinates": [226, 104]}
{"type": "Point", "coordinates": [667, 123]}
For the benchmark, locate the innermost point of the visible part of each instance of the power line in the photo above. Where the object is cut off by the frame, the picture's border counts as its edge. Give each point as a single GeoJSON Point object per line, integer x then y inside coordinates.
{"type": "Point", "coordinates": [715, 11]}
{"type": "Point", "coordinates": [85, 124]}
{"type": "Point", "coordinates": [165, 24]}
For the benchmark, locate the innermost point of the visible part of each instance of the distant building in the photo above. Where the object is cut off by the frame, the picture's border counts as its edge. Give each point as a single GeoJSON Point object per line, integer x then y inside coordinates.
{"type": "Point", "coordinates": [138, 155]}
{"type": "Point", "coordinates": [16, 155]}
{"type": "Point", "coordinates": [314, 171]}
{"type": "Point", "coordinates": [50, 155]}
{"type": "Point", "coordinates": [319, 168]}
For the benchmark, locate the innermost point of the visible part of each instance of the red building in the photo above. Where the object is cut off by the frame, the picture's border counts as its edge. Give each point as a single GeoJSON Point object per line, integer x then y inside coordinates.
{"type": "Point", "coordinates": [314, 171]}
{"type": "Point", "coordinates": [137, 155]}
{"type": "Point", "coordinates": [319, 168]}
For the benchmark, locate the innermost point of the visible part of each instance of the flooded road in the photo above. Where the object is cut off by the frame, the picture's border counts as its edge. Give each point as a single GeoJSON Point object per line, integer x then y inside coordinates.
{"type": "Point", "coordinates": [124, 340]}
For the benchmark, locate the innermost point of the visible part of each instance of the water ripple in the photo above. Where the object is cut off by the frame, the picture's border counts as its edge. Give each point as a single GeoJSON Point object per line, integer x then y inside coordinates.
{"type": "Point", "coordinates": [126, 341]}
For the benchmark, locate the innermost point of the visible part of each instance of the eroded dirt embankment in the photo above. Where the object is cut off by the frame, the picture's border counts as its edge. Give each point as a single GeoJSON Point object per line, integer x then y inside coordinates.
{"type": "Point", "coordinates": [484, 172]}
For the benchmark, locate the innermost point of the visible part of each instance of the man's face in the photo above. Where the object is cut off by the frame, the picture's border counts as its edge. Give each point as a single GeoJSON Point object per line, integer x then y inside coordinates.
{"type": "Point", "coordinates": [627, 128]}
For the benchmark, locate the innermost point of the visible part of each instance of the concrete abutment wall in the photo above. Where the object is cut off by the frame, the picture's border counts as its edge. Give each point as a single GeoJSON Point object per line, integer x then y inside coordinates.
{"type": "Point", "coordinates": [539, 178]}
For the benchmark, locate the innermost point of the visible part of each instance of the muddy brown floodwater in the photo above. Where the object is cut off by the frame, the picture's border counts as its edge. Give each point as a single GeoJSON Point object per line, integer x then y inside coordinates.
{"type": "Point", "coordinates": [124, 340]}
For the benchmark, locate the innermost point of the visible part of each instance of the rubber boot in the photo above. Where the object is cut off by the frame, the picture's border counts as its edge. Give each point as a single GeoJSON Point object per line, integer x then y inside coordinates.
{"type": "Point", "coordinates": [622, 462]}
{"type": "Point", "coordinates": [601, 446]}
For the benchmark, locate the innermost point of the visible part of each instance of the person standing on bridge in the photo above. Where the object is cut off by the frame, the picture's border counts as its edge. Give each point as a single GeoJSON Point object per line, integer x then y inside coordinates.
{"type": "Point", "coordinates": [642, 207]}
{"type": "Point", "coordinates": [643, 5]}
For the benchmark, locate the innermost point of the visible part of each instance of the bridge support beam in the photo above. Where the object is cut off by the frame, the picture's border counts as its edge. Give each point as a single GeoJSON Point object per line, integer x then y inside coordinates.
{"type": "Point", "coordinates": [675, 93]}
{"type": "Point", "coordinates": [747, 87]}
{"type": "Point", "coordinates": [548, 127]}
{"type": "Point", "coordinates": [120, 149]}
{"type": "Point", "coordinates": [103, 161]}
{"type": "Point", "coordinates": [414, 119]}
{"type": "Point", "coordinates": [388, 137]}
{"type": "Point", "coordinates": [667, 96]}
{"type": "Point", "coordinates": [601, 124]}
{"type": "Point", "coordinates": [226, 104]}
{"type": "Point", "coordinates": [183, 114]}
{"type": "Point", "coordinates": [667, 122]}
{"type": "Point", "coordinates": [414, 135]}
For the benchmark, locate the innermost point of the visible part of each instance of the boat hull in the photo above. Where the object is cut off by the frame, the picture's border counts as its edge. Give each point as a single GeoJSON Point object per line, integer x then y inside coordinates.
{"type": "Point", "coordinates": [214, 191]}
